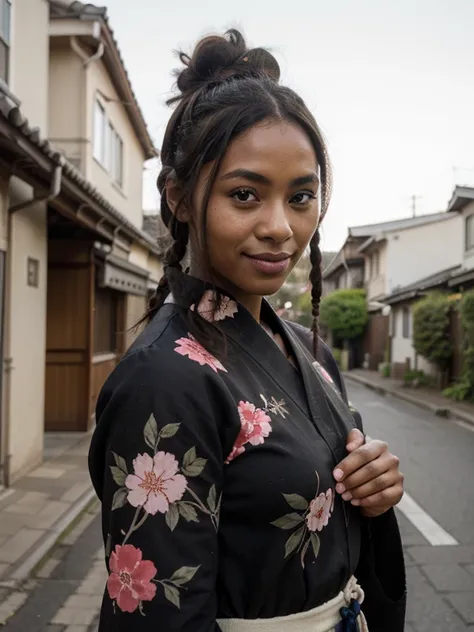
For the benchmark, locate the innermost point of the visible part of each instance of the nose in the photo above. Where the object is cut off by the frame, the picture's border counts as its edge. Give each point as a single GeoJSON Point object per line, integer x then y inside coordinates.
{"type": "Point", "coordinates": [274, 224]}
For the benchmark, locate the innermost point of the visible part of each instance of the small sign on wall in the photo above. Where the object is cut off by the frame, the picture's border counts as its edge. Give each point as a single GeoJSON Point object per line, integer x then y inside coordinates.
{"type": "Point", "coordinates": [33, 272]}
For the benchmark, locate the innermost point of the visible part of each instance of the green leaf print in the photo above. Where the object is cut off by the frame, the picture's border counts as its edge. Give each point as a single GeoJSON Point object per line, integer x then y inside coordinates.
{"type": "Point", "coordinates": [120, 463]}
{"type": "Point", "coordinates": [184, 575]}
{"type": "Point", "coordinates": [172, 594]}
{"type": "Point", "coordinates": [294, 541]}
{"type": "Point", "coordinates": [296, 502]}
{"type": "Point", "coordinates": [168, 431]}
{"type": "Point", "coordinates": [150, 432]}
{"type": "Point", "coordinates": [212, 499]}
{"type": "Point", "coordinates": [118, 475]}
{"type": "Point", "coordinates": [188, 512]}
{"type": "Point", "coordinates": [172, 517]}
{"type": "Point", "coordinates": [120, 498]}
{"type": "Point", "coordinates": [289, 521]}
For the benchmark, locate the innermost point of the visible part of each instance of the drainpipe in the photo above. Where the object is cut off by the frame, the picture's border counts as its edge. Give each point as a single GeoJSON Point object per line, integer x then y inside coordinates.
{"type": "Point", "coordinates": [87, 60]}
{"type": "Point", "coordinates": [55, 188]}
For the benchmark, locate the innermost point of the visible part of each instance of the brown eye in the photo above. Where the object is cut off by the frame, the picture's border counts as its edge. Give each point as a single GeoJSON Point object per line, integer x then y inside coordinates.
{"type": "Point", "coordinates": [244, 195]}
{"type": "Point", "coordinates": [302, 198]}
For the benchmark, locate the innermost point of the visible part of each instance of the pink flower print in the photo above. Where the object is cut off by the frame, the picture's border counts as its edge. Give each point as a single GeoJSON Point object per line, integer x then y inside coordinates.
{"type": "Point", "coordinates": [129, 582]}
{"type": "Point", "coordinates": [210, 311]}
{"type": "Point", "coordinates": [324, 373]}
{"type": "Point", "coordinates": [319, 511]}
{"type": "Point", "coordinates": [190, 347]}
{"type": "Point", "coordinates": [255, 423]}
{"type": "Point", "coordinates": [155, 483]}
{"type": "Point", "coordinates": [255, 428]}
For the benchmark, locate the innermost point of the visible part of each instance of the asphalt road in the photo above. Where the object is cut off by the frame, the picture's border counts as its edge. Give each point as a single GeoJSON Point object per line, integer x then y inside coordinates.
{"type": "Point", "coordinates": [437, 458]}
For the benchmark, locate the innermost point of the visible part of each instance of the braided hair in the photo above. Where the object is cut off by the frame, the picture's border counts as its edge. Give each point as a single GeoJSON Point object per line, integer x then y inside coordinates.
{"type": "Point", "coordinates": [224, 89]}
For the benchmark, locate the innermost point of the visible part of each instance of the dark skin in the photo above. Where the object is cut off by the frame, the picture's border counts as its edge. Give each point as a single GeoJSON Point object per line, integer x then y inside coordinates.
{"type": "Point", "coordinates": [264, 202]}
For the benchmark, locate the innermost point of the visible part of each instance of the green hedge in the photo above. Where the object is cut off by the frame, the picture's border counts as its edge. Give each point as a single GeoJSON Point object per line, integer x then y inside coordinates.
{"type": "Point", "coordinates": [344, 312]}
{"type": "Point", "coordinates": [431, 329]}
{"type": "Point", "coordinates": [464, 388]}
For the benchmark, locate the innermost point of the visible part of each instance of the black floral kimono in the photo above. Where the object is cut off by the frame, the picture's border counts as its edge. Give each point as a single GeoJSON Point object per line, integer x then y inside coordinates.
{"type": "Point", "coordinates": [215, 476]}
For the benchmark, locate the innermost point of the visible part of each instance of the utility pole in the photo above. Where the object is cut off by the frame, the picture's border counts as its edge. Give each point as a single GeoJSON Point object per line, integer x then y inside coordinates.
{"type": "Point", "coordinates": [414, 198]}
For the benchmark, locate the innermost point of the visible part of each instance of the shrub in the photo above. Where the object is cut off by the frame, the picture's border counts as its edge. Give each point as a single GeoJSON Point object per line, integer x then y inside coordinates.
{"type": "Point", "coordinates": [431, 330]}
{"type": "Point", "coordinates": [344, 312]}
{"type": "Point", "coordinates": [464, 388]}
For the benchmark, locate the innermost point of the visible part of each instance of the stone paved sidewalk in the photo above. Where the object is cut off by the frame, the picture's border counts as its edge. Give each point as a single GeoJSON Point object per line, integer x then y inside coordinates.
{"type": "Point", "coordinates": [40, 506]}
{"type": "Point", "coordinates": [426, 398]}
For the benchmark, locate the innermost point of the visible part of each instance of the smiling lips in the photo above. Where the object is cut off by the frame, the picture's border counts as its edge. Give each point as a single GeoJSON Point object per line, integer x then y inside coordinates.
{"type": "Point", "coordinates": [270, 263]}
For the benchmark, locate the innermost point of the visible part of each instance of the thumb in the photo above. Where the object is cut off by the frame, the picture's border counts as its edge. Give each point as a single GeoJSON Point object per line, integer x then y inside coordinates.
{"type": "Point", "coordinates": [355, 439]}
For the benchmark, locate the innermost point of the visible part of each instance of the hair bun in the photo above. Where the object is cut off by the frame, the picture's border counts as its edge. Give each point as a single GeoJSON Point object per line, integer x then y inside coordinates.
{"type": "Point", "coordinates": [217, 58]}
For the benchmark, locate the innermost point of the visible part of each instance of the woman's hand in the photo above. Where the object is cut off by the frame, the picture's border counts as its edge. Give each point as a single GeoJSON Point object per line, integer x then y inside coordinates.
{"type": "Point", "coordinates": [369, 477]}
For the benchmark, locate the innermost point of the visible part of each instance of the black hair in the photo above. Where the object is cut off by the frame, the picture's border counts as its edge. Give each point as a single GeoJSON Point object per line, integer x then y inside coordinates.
{"type": "Point", "coordinates": [225, 88]}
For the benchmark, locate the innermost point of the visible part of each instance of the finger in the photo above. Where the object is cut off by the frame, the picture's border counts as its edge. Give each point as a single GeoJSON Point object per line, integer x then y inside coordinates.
{"type": "Point", "coordinates": [360, 457]}
{"type": "Point", "coordinates": [369, 472]}
{"type": "Point", "coordinates": [382, 500]}
{"type": "Point", "coordinates": [355, 439]}
{"type": "Point", "coordinates": [384, 481]}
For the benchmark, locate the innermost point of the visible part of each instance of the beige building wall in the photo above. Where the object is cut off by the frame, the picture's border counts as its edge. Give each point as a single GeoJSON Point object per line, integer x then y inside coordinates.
{"type": "Point", "coordinates": [376, 282]}
{"type": "Point", "coordinates": [139, 256]}
{"type": "Point", "coordinates": [25, 306]}
{"type": "Point", "coordinates": [29, 59]}
{"type": "Point", "coordinates": [67, 102]}
{"type": "Point", "coordinates": [155, 267]}
{"type": "Point", "coordinates": [26, 334]}
{"type": "Point", "coordinates": [128, 198]}
{"type": "Point", "coordinates": [135, 310]}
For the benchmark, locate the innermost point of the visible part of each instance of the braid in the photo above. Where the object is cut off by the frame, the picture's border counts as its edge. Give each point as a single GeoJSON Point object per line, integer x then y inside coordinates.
{"type": "Point", "coordinates": [316, 286]}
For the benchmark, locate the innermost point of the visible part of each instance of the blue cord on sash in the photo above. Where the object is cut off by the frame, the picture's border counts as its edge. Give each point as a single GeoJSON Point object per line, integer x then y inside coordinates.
{"type": "Point", "coordinates": [349, 616]}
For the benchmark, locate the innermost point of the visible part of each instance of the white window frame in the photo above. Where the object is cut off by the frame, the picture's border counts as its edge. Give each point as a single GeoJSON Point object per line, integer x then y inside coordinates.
{"type": "Point", "coordinates": [469, 228]}
{"type": "Point", "coordinates": [406, 322]}
{"type": "Point", "coordinates": [99, 133]}
{"type": "Point", "coordinates": [107, 145]}
{"type": "Point", "coordinates": [5, 34]}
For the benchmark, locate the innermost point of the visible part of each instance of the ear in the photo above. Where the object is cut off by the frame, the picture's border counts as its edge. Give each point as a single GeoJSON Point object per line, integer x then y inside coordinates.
{"type": "Point", "coordinates": [175, 199]}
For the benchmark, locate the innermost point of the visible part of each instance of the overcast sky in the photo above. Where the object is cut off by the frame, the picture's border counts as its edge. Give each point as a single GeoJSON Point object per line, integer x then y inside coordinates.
{"type": "Point", "coordinates": [391, 83]}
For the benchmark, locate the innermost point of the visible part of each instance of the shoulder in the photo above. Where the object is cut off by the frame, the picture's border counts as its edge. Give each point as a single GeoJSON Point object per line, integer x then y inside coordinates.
{"type": "Point", "coordinates": [166, 364]}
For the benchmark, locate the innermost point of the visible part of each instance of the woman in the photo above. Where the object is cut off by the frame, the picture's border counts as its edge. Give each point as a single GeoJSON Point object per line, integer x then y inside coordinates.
{"type": "Point", "coordinates": [237, 492]}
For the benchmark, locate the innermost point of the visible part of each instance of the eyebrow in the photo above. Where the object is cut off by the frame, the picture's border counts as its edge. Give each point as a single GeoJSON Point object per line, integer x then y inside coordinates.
{"type": "Point", "coordinates": [311, 178]}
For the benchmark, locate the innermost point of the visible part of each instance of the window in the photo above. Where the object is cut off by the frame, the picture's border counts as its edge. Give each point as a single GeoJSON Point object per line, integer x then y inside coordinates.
{"type": "Point", "coordinates": [100, 133]}
{"type": "Point", "coordinates": [105, 321]}
{"type": "Point", "coordinates": [469, 232]}
{"type": "Point", "coordinates": [406, 322]}
{"type": "Point", "coordinates": [108, 146]}
{"type": "Point", "coordinates": [5, 13]}
{"type": "Point", "coordinates": [116, 157]}
{"type": "Point", "coordinates": [393, 323]}
{"type": "Point", "coordinates": [375, 264]}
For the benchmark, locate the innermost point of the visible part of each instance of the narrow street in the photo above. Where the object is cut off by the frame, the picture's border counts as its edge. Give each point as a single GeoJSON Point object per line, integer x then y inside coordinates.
{"type": "Point", "coordinates": [437, 460]}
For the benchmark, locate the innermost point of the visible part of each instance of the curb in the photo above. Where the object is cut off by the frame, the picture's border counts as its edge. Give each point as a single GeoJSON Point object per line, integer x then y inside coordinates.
{"type": "Point", "coordinates": [445, 411]}
{"type": "Point", "coordinates": [42, 548]}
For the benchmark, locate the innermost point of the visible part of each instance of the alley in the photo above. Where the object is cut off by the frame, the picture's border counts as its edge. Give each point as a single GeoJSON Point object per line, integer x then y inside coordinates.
{"type": "Point", "coordinates": [64, 593]}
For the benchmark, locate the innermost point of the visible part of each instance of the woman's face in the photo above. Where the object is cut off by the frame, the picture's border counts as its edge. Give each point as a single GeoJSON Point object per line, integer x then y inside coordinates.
{"type": "Point", "coordinates": [263, 209]}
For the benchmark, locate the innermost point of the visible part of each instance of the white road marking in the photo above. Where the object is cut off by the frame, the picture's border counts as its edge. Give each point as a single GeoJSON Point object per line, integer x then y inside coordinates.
{"type": "Point", "coordinates": [464, 424]}
{"type": "Point", "coordinates": [429, 528]}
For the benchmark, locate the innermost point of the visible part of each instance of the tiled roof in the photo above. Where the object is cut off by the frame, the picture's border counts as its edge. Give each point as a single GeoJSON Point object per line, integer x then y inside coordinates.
{"type": "Point", "coordinates": [10, 110]}
{"type": "Point", "coordinates": [422, 285]}
{"type": "Point", "coordinates": [67, 9]}
{"type": "Point", "coordinates": [370, 230]}
{"type": "Point", "coordinates": [154, 226]}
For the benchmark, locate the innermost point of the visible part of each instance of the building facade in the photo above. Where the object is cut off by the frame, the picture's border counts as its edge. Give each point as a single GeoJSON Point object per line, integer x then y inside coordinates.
{"type": "Point", "coordinates": [75, 265]}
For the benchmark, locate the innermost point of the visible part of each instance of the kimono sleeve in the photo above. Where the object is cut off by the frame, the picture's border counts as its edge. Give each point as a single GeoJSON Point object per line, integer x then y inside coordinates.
{"type": "Point", "coordinates": [161, 490]}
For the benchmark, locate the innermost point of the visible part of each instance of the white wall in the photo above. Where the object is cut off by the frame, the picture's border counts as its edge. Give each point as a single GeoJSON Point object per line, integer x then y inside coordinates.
{"type": "Point", "coordinates": [469, 255]}
{"type": "Point", "coordinates": [26, 342]}
{"type": "Point", "coordinates": [416, 253]}
{"type": "Point", "coordinates": [402, 348]}
{"type": "Point", "coordinates": [30, 59]}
